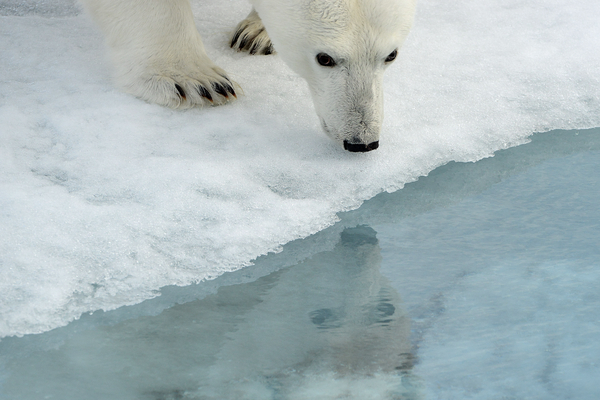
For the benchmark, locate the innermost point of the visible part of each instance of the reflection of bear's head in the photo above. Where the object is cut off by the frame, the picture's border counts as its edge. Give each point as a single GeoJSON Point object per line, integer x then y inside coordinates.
{"type": "Point", "coordinates": [341, 48]}
{"type": "Point", "coordinates": [372, 328]}
{"type": "Point", "coordinates": [329, 320]}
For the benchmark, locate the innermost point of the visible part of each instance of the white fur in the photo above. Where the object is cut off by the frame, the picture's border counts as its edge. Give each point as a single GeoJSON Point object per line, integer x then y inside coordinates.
{"type": "Point", "coordinates": [159, 55]}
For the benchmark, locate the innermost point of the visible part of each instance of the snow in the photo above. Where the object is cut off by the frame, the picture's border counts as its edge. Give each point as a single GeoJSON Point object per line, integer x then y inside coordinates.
{"type": "Point", "coordinates": [104, 199]}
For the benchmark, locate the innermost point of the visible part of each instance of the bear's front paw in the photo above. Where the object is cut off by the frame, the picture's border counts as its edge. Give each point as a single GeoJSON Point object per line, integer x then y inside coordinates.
{"type": "Point", "coordinates": [250, 35]}
{"type": "Point", "coordinates": [183, 90]}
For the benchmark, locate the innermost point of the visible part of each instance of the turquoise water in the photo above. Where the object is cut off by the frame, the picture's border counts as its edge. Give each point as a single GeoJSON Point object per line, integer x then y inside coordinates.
{"type": "Point", "coordinates": [478, 281]}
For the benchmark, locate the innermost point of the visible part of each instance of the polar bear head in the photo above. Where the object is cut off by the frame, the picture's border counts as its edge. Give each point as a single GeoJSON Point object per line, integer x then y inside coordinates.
{"type": "Point", "coordinates": [341, 48]}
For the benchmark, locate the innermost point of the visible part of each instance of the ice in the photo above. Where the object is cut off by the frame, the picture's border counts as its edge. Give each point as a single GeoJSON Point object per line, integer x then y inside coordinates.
{"type": "Point", "coordinates": [105, 199]}
{"type": "Point", "coordinates": [478, 281]}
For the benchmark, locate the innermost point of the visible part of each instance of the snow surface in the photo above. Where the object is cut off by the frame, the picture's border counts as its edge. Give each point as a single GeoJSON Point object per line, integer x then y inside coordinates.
{"type": "Point", "coordinates": [104, 199]}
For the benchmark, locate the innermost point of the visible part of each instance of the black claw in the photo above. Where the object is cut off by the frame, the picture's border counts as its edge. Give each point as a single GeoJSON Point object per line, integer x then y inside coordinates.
{"type": "Point", "coordinates": [204, 93]}
{"type": "Point", "coordinates": [268, 50]}
{"type": "Point", "coordinates": [220, 89]}
{"type": "Point", "coordinates": [230, 89]}
{"type": "Point", "coordinates": [243, 42]}
{"type": "Point", "coordinates": [180, 90]}
{"type": "Point", "coordinates": [254, 48]}
{"type": "Point", "coordinates": [236, 37]}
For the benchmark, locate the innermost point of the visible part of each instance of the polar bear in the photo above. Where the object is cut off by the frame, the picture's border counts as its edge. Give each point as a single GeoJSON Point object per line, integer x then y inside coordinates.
{"type": "Point", "coordinates": [340, 47]}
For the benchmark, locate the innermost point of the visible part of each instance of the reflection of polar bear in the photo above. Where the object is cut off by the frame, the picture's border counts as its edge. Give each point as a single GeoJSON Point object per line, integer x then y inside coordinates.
{"type": "Point", "coordinates": [341, 48]}
{"type": "Point", "coordinates": [329, 327]}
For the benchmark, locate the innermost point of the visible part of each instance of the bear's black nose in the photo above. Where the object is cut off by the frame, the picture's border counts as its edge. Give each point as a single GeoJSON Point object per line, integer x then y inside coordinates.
{"type": "Point", "coordinates": [360, 147]}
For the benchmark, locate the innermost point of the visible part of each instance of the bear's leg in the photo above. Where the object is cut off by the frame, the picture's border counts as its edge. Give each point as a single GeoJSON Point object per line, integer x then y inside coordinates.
{"type": "Point", "coordinates": [158, 53]}
{"type": "Point", "coordinates": [250, 35]}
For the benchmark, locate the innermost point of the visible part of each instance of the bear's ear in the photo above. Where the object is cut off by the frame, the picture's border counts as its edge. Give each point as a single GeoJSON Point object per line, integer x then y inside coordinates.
{"type": "Point", "coordinates": [392, 56]}
{"type": "Point", "coordinates": [325, 60]}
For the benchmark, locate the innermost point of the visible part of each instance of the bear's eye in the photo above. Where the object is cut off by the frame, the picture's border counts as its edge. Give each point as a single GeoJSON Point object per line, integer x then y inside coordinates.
{"type": "Point", "coordinates": [392, 56]}
{"type": "Point", "coordinates": [325, 60]}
